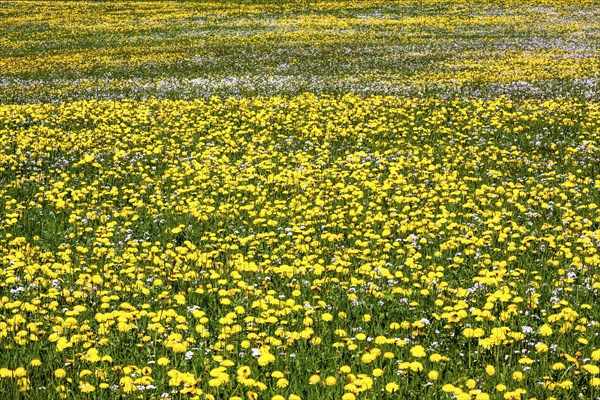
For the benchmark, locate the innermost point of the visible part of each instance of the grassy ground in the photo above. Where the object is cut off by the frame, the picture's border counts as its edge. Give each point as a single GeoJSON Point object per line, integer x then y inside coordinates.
{"type": "Point", "coordinates": [315, 200]}
{"type": "Point", "coordinates": [59, 51]}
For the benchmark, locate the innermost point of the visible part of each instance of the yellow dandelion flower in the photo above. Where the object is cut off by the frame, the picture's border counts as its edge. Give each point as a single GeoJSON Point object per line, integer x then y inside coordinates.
{"type": "Point", "coordinates": [277, 374]}
{"type": "Point", "coordinates": [163, 361]}
{"type": "Point", "coordinates": [418, 351]}
{"type": "Point", "coordinates": [368, 358]}
{"type": "Point", "coordinates": [86, 387]}
{"type": "Point", "coordinates": [60, 373]}
{"type": "Point", "coordinates": [449, 388]}
{"type": "Point", "coordinates": [545, 330]}
{"type": "Point", "coordinates": [244, 371]}
{"type": "Point", "coordinates": [592, 369]}
{"type": "Point", "coordinates": [215, 382]}
{"type": "Point", "coordinates": [282, 383]}
{"type": "Point", "coordinates": [345, 369]}
{"type": "Point", "coordinates": [392, 387]}
{"type": "Point", "coordinates": [330, 381]}
{"type": "Point", "coordinates": [416, 366]}
{"type": "Point", "coordinates": [541, 347]}
{"type": "Point", "coordinates": [567, 384]}
{"type": "Point", "coordinates": [517, 376]}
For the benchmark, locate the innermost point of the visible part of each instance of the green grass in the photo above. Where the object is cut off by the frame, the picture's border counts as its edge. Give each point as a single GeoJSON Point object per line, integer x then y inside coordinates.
{"type": "Point", "coordinates": [342, 185]}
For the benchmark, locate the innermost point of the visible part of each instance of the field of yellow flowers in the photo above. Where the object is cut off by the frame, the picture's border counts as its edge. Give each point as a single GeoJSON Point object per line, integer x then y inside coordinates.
{"type": "Point", "coordinates": [300, 200]}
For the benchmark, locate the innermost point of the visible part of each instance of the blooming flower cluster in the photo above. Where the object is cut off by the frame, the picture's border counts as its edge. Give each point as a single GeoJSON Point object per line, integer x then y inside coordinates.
{"type": "Point", "coordinates": [295, 246]}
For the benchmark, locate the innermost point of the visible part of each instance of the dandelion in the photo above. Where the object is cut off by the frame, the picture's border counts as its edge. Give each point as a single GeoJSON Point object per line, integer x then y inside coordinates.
{"type": "Point", "coordinates": [592, 369]}
{"type": "Point", "coordinates": [368, 358]}
{"type": "Point", "coordinates": [392, 387]}
{"type": "Point", "coordinates": [86, 387]}
{"type": "Point", "coordinates": [416, 366]}
{"type": "Point", "coordinates": [566, 384]}
{"type": "Point", "coordinates": [517, 376]}
{"type": "Point", "coordinates": [545, 330]}
{"type": "Point", "coordinates": [282, 383]}
{"type": "Point", "coordinates": [60, 373]}
{"type": "Point", "coordinates": [541, 347]}
{"type": "Point", "coordinates": [418, 351]}
{"type": "Point", "coordinates": [449, 388]}
{"type": "Point", "coordinates": [215, 382]}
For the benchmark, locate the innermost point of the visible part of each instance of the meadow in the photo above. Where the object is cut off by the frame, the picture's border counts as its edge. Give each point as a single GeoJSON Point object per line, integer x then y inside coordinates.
{"type": "Point", "coordinates": [300, 200]}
